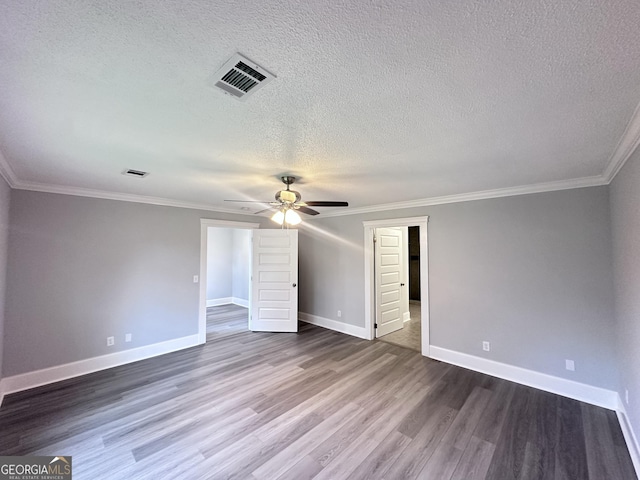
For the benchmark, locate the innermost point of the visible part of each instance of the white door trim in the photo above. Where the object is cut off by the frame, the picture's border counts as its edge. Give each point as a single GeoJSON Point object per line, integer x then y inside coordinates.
{"type": "Point", "coordinates": [205, 223]}
{"type": "Point", "coordinates": [369, 284]}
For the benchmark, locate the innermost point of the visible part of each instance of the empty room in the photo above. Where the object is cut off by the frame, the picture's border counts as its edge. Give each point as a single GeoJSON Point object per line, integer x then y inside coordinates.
{"type": "Point", "coordinates": [348, 240]}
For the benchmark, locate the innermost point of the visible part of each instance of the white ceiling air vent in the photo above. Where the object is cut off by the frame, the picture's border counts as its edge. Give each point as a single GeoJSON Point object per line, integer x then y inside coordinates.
{"type": "Point", "coordinates": [135, 173]}
{"type": "Point", "coordinates": [241, 78]}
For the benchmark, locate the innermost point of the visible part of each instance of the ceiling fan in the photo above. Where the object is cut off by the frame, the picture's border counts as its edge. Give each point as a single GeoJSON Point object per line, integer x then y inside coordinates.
{"type": "Point", "coordinates": [288, 201]}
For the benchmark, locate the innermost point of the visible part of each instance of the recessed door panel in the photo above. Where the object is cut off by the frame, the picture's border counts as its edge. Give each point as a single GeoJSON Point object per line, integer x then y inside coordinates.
{"type": "Point", "coordinates": [272, 295]}
{"type": "Point", "coordinates": [390, 278]}
{"type": "Point", "coordinates": [266, 276]}
{"type": "Point", "coordinates": [274, 242]}
{"type": "Point", "coordinates": [274, 259]}
{"type": "Point", "coordinates": [391, 296]}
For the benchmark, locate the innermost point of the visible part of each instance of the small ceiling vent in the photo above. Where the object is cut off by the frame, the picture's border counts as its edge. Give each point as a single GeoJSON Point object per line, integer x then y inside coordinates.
{"type": "Point", "coordinates": [135, 173]}
{"type": "Point", "coordinates": [241, 78]}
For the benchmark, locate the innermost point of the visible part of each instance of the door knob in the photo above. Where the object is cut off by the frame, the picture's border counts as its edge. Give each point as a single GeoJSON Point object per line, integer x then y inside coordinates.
{"type": "Point", "coordinates": [294, 284]}
{"type": "Point", "coordinates": [402, 284]}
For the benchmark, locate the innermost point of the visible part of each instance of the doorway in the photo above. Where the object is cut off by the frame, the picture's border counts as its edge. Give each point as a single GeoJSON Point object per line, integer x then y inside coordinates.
{"type": "Point", "coordinates": [228, 281]}
{"type": "Point", "coordinates": [398, 286]}
{"type": "Point", "coordinates": [208, 229]}
{"type": "Point", "coordinates": [419, 307]}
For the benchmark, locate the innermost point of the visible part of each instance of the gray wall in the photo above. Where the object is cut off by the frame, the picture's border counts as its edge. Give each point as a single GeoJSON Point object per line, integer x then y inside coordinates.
{"type": "Point", "coordinates": [532, 274]}
{"type": "Point", "coordinates": [241, 263]}
{"type": "Point", "coordinates": [5, 193]}
{"type": "Point", "coordinates": [219, 263]}
{"type": "Point", "coordinates": [81, 269]}
{"type": "Point", "coordinates": [625, 219]}
{"type": "Point", "coordinates": [228, 263]}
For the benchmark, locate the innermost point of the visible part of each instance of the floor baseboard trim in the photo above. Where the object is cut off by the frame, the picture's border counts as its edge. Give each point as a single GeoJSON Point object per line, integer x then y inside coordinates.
{"type": "Point", "coordinates": [215, 302]}
{"type": "Point", "coordinates": [561, 386]}
{"type": "Point", "coordinates": [629, 436]}
{"type": "Point", "coordinates": [26, 381]}
{"type": "Point", "coordinates": [323, 322]}
{"type": "Point", "coordinates": [1, 391]}
{"type": "Point", "coordinates": [241, 302]}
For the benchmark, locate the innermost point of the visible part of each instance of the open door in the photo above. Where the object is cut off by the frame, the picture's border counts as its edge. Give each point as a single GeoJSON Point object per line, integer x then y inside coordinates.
{"type": "Point", "coordinates": [274, 281]}
{"type": "Point", "coordinates": [389, 280]}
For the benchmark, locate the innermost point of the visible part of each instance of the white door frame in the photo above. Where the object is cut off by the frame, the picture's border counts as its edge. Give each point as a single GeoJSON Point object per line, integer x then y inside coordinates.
{"type": "Point", "coordinates": [369, 281]}
{"type": "Point", "coordinates": [205, 223]}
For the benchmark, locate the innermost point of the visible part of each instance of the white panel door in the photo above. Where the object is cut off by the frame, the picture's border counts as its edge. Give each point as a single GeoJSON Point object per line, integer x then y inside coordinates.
{"type": "Point", "coordinates": [389, 276]}
{"type": "Point", "coordinates": [274, 281]}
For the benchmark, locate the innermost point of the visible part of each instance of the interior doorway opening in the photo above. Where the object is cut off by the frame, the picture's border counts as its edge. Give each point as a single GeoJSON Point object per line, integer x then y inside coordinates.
{"type": "Point", "coordinates": [375, 316]}
{"type": "Point", "coordinates": [220, 241]}
{"type": "Point", "coordinates": [397, 277]}
{"type": "Point", "coordinates": [228, 280]}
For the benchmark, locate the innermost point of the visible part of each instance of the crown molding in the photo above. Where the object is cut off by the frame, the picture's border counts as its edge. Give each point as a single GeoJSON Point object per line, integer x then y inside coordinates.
{"type": "Point", "coordinates": [123, 197]}
{"type": "Point", "coordinates": [5, 169]}
{"type": "Point", "coordinates": [482, 195]}
{"type": "Point", "coordinates": [7, 172]}
{"type": "Point", "coordinates": [626, 146]}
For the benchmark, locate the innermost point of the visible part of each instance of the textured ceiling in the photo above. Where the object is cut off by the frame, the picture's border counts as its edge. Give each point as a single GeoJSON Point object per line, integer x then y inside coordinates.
{"type": "Point", "coordinates": [373, 102]}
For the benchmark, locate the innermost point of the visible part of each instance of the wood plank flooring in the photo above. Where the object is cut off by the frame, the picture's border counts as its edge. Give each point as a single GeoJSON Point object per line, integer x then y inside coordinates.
{"type": "Point", "coordinates": [316, 404]}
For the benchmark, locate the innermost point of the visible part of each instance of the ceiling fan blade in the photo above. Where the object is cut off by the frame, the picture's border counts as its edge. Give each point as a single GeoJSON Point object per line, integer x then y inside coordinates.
{"type": "Point", "coordinates": [327, 204]}
{"type": "Point", "coordinates": [262, 211]}
{"type": "Point", "coordinates": [250, 201]}
{"type": "Point", "coordinates": [308, 211]}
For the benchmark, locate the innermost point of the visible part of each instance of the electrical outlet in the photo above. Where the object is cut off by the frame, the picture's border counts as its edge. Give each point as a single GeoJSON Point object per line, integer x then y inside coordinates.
{"type": "Point", "coordinates": [127, 337]}
{"type": "Point", "coordinates": [486, 346]}
{"type": "Point", "coordinates": [111, 341]}
{"type": "Point", "coordinates": [626, 396]}
{"type": "Point", "coordinates": [339, 313]}
{"type": "Point", "coordinates": [570, 365]}
{"type": "Point", "coordinates": [196, 279]}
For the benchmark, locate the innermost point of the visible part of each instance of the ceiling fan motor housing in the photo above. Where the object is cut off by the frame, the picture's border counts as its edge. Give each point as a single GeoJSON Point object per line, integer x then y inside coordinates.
{"type": "Point", "coordinates": [288, 196]}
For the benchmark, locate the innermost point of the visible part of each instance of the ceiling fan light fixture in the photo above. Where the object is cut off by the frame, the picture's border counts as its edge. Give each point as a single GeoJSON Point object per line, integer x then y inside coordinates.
{"type": "Point", "coordinates": [286, 216]}
{"type": "Point", "coordinates": [278, 217]}
{"type": "Point", "coordinates": [292, 217]}
{"type": "Point", "coordinates": [289, 203]}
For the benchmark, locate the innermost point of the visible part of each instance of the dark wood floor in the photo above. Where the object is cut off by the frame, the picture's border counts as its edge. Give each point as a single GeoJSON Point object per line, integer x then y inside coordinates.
{"type": "Point", "coordinates": [316, 404]}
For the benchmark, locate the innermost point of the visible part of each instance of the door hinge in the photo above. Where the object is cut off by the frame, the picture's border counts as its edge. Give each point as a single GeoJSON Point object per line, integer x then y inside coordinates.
{"type": "Point", "coordinates": [375, 325]}
{"type": "Point", "coordinates": [374, 239]}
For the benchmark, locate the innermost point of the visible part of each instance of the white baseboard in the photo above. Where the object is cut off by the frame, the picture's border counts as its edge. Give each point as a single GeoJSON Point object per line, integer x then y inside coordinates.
{"type": "Point", "coordinates": [25, 381]}
{"type": "Point", "coordinates": [214, 302]}
{"type": "Point", "coordinates": [629, 436]}
{"type": "Point", "coordinates": [561, 386]}
{"type": "Point", "coordinates": [240, 302]}
{"type": "Point", "coordinates": [323, 322]}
